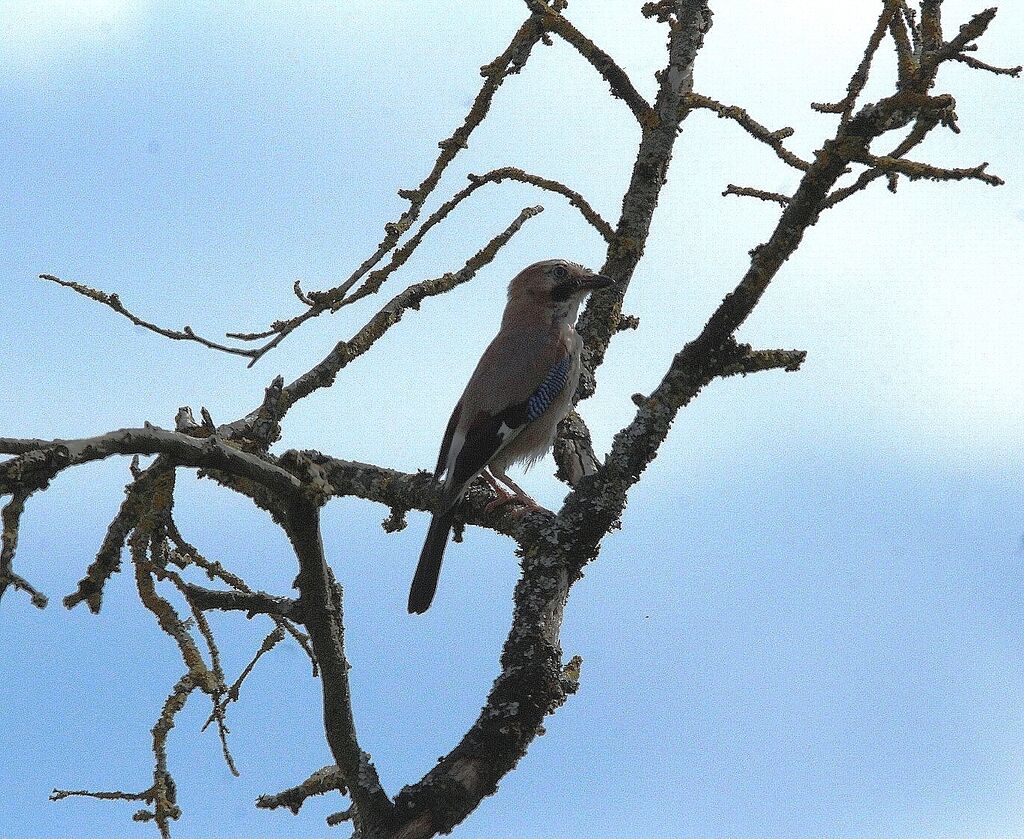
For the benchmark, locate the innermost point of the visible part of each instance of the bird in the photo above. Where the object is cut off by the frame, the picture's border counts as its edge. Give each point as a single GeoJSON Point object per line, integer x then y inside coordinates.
{"type": "Point", "coordinates": [521, 389]}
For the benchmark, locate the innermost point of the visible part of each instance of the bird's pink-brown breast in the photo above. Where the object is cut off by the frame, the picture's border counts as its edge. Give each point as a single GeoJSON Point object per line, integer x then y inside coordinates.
{"type": "Point", "coordinates": [513, 366]}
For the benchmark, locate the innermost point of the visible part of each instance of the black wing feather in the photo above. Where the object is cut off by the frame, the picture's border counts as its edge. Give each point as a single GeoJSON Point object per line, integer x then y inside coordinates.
{"type": "Point", "coordinates": [484, 439]}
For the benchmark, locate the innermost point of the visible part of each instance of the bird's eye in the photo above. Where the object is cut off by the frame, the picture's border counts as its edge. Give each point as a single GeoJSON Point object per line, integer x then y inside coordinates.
{"type": "Point", "coordinates": [561, 272]}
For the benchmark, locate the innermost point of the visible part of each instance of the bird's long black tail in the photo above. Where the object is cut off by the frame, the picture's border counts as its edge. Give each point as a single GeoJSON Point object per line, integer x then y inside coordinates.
{"type": "Point", "coordinates": [424, 581]}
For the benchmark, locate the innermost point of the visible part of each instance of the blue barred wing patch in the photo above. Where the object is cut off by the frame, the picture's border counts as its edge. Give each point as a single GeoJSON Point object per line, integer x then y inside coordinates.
{"type": "Point", "coordinates": [553, 385]}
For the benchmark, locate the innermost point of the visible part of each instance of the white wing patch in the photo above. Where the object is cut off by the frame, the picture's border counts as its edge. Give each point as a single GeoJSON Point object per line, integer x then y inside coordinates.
{"type": "Point", "coordinates": [458, 438]}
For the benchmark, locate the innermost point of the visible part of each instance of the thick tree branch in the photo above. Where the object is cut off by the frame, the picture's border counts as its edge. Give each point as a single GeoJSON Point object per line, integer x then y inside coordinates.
{"type": "Point", "coordinates": [53, 456]}
{"type": "Point", "coordinates": [419, 491]}
{"type": "Point", "coordinates": [322, 604]}
{"type": "Point", "coordinates": [689, 21]}
{"type": "Point", "coordinates": [11, 520]}
{"type": "Point", "coordinates": [533, 682]}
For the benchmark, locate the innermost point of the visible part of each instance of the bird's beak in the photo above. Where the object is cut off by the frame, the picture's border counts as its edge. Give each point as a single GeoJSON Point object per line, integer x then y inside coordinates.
{"type": "Point", "coordinates": [595, 281]}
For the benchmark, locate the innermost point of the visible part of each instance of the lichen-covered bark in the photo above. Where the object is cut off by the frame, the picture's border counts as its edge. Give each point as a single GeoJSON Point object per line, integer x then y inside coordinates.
{"type": "Point", "coordinates": [555, 547]}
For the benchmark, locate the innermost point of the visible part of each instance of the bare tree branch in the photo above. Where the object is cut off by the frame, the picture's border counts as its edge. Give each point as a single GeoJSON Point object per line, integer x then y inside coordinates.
{"type": "Point", "coordinates": [971, 61]}
{"type": "Point", "coordinates": [555, 547]}
{"type": "Point", "coordinates": [551, 18]}
{"type": "Point", "coordinates": [750, 192]}
{"type": "Point", "coordinates": [252, 602]}
{"type": "Point", "coordinates": [773, 139]}
{"type": "Point", "coordinates": [44, 456]}
{"type": "Point", "coordinates": [508, 63]}
{"type": "Point", "coordinates": [916, 171]}
{"type": "Point", "coordinates": [859, 79]}
{"type": "Point", "coordinates": [335, 299]}
{"type": "Point", "coordinates": [689, 21]}
{"type": "Point", "coordinates": [320, 782]}
{"type": "Point", "coordinates": [138, 497]}
{"type": "Point", "coordinates": [162, 795]}
{"type": "Point", "coordinates": [322, 603]}
{"type": "Point", "coordinates": [11, 520]}
{"type": "Point", "coordinates": [114, 302]}
{"type": "Point", "coordinates": [324, 373]}
{"type": "Point", "coordinates": [755, 361]}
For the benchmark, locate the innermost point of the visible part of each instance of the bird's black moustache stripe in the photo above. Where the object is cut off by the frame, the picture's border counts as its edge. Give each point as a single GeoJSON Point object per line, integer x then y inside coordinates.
{"type": "Point", "coordinates": [563, 291]}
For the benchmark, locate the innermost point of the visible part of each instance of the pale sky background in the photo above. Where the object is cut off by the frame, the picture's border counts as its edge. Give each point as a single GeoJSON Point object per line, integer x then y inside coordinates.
{"type": "Point", "coordinates": [811, 622]}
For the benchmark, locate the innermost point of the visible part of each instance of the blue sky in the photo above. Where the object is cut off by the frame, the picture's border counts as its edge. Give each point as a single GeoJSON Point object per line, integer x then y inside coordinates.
{"type": "Point", "coordinates": [810, 623]}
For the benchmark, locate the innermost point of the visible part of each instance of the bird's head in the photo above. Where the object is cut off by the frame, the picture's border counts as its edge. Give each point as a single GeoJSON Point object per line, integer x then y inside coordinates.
{"type": "Point", "coordinates": [556, 286]}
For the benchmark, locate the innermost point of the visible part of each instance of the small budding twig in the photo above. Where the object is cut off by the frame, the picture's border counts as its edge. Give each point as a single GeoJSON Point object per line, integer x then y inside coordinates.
{"type": "Point", "coordinates": [214, 570]}
{"type": "Point", "coordinates": [336, 298]}
{"type": "Point", "coordinates": [618, 80]}
{"type": "Point", "coordinates": [509, 62]}
{"type": "Point", "coordinates": [162, 795]}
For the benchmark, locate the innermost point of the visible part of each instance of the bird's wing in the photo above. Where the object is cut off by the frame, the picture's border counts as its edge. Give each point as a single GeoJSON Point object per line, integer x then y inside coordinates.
{"type": "Point", "coordinates": [446, 443]}
{"type": "Point", "coordinates": [512, 386]}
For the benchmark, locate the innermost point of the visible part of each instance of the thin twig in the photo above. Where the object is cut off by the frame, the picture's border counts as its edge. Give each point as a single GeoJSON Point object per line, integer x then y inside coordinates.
{"type": "Point", "coordinates": [114, 302]}
{"type": "Point", "coordinates": [750, 192]}
{"type": "Point", "coordinates": [334, 299]}
{"type": "Point", "coordinates": [916, 171]}
{"type": "Point", "coordinates": [377, 277]}
{"type": "Point", "coordinates": [860, 76]}
{"type": "Point", "coordinates": [759, 132]}
{"type": "Point", "coordinates": [619, 83]}
{"type": "Point", "coordinates": [252, 602]}
{"type": "Point", "coordinates": [215, 570]}
{"type": "Point", "coordinates": [322, 781]}
{"type": "Point", "coordinates": [324, 373]}
{"type": "Point", "coordinates": [971, 61]}
{"type": "Point", "coordinates": [11, 520]}
{"type": "Point", "coordinates": [510, 61]}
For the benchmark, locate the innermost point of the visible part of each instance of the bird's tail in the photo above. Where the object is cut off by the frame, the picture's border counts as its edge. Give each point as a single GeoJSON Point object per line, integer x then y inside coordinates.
{"type": "Point", "coordinates": [424, 581]}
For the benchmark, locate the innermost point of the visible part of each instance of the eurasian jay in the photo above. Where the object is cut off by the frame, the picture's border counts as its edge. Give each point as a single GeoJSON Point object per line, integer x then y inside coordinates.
{"type": "Point", "coordinates": [521, 389]}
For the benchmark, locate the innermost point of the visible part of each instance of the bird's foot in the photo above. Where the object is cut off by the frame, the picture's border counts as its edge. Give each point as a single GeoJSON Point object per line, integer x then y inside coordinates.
{"type": "Point", "coordinates": [528, 504]}
{"type": "Point", "coordinates": [502, 499]}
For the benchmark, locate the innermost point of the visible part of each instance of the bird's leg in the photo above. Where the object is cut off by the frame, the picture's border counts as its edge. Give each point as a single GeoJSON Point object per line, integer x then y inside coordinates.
{"type": "Point", "coordinates": [504, 496]}
{"type": "Point", "coordinates": [519, 494]}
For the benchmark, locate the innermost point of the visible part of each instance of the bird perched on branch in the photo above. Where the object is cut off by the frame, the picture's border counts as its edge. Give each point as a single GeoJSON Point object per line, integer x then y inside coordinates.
{"type": "Point", "coordinates": [521, 389]}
